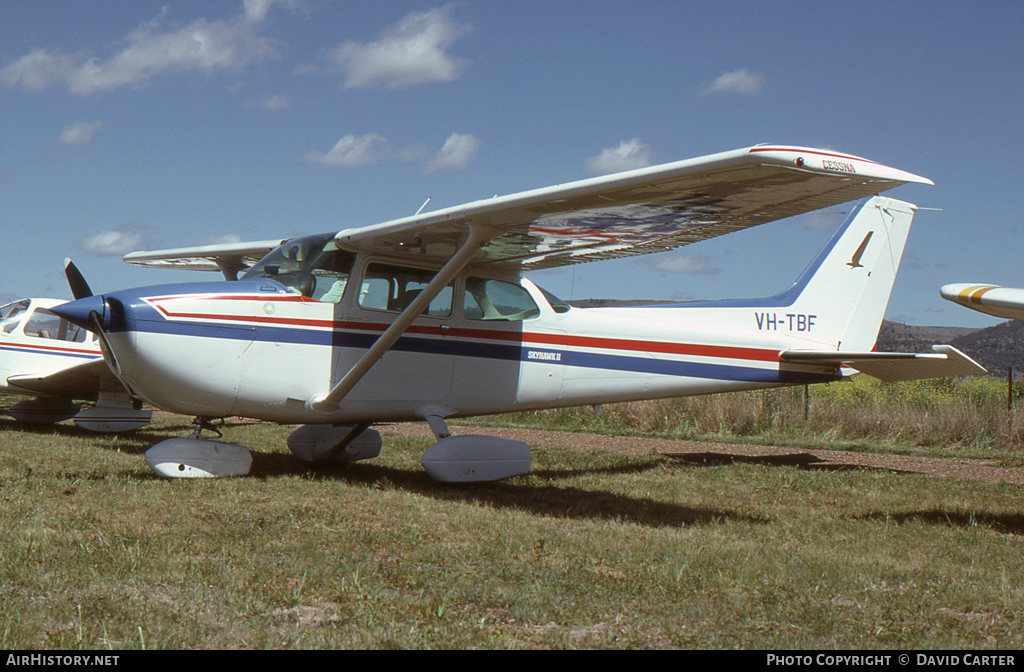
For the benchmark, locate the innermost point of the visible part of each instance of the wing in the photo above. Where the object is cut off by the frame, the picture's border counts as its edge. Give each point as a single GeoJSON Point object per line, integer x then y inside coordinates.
{"type": "Point", "coordinates": [638, 212]}
{"type": "Point", "coordinates": [77, 382]}
{"type": "Point", "coordinates": [999, 301]}
{"type": "Point", "coordinates": [229, 258]}
{"type": "Point", "coordinates": [890, 367]}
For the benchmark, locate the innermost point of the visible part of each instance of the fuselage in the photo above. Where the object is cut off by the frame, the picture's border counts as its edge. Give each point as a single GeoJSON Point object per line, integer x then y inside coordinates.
{"type": "Point", "coordinates": [489, 344]}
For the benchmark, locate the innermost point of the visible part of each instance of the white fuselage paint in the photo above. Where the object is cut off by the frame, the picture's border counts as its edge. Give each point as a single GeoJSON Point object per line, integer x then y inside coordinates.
{"type": "Point", "coordinates": [263, 355]}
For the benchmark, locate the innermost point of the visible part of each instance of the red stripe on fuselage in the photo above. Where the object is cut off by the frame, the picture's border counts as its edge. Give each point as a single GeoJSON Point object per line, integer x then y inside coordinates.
{"type": "Point", "coordinates": [562, 340]}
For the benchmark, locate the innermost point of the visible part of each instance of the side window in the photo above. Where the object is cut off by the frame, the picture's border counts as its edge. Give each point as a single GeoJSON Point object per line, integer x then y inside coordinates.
{"type": "Point", "coordinates": [44, 324]}
{"type": "Point", "coordinates": [497, 300]}
{"type": "Point", "coordinates": [330, 275]}
{"type": "Point", "coordinates": [11, 315]}
{"type": "Point", "coordinates": [393, 288]}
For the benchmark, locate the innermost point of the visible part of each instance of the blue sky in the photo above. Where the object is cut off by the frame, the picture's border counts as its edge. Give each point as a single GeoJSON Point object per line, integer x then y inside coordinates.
{"type": "Point", "coordinates": [145, 125]}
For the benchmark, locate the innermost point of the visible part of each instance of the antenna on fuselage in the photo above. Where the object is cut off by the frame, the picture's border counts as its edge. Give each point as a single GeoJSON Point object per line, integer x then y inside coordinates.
{"type": "Point", "coordinates": [423, 206]}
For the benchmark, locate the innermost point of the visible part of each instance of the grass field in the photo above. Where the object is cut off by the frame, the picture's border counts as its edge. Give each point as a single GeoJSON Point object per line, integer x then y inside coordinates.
{"type": "Point", "coordinates": [587, 550]}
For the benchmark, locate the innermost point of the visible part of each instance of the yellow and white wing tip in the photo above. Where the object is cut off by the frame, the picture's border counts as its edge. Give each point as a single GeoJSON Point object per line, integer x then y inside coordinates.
{"type": "Point", "coordinates": [999, 301]}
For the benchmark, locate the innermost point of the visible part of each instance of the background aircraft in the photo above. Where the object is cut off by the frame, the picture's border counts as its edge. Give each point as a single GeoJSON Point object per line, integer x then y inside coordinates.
{"type": "Point", "coordinates": [992, 299]}
{"type": "Point", "coordinates": [428, 317]}
{"type": "Point", "coordinates": [56, 362]}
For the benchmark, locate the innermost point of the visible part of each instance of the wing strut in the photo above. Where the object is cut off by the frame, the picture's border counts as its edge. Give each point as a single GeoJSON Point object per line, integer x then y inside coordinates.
{"type": "Point", "coordinates": [478, 236]}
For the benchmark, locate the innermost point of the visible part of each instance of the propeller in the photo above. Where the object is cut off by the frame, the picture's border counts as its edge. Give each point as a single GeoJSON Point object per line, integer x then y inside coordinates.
{"type": "Point", "coordinates": [108, 352]}
{"type": "Point", "coordinates": [79, 287]}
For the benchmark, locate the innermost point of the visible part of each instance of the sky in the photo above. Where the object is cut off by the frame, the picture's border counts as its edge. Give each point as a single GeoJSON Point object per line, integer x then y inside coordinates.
{"type": "Point", "coordinates": [147, 125]}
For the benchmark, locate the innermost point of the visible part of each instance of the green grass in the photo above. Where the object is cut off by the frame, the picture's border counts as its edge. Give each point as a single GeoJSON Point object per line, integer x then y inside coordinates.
{"type": "Point", "coordinates": [587, 550]}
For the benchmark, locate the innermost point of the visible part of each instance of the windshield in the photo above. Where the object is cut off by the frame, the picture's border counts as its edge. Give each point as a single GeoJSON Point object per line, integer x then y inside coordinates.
{"type": "Point", "coordinates": [312, 266]}
{"type": "Point", "coordinates": [12, 314]}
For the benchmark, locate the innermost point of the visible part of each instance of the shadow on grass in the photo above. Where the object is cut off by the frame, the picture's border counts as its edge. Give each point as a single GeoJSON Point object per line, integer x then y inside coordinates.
{"type": "Point", "coordinates": [804, 461]}
{"type": "Point", "coordinates": [135, 442]}
{"type": "Point", "coordinates": [521, 493]}
{"type": "Point", "coordinates": [1012, 523]}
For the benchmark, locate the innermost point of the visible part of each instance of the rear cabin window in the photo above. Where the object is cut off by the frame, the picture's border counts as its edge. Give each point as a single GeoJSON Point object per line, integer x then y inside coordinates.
{"type": "Point", "coordinates": [393, 288]}
{"type": "Point", "coordinates": [497, 300]}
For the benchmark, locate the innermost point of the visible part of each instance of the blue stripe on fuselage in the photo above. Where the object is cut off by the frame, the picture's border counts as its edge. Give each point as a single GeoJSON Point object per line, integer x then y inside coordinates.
{"type": "Point", "coordinates": [482, 350]}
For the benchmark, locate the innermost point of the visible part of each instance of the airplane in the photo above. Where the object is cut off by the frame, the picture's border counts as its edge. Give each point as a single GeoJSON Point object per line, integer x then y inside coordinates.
{"type": "Point", "coordinates": [994, 300]}
{"type": "Point", "coordinates": [56, 362]}
{"type": "Point", "coordinates": [430, 317]}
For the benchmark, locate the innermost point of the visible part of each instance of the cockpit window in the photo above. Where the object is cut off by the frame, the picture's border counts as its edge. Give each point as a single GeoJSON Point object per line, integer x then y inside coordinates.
{"type": "Point", "coordinates": [11, 315]}
{"type": "Point", "coordinates": [312, 266]}
{"type": "Point", "coordinates": [44, 324]}
{"type": "Point", "coordinates": [497, 300]}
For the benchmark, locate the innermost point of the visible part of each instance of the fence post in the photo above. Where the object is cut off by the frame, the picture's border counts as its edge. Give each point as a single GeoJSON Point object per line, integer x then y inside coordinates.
{"type": "Point", "coordinates": [807, 402]}
{"type": "Point", "coordinates": [1009, 405]}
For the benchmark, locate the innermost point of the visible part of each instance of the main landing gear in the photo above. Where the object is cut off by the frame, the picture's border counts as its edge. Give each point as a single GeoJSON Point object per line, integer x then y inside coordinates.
{"type": "Point", "coordinates": [452, 459]}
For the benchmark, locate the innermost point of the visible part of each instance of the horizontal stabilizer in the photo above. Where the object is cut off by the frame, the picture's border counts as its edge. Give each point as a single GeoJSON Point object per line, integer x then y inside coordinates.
{"type": "Point", "coordinates": [890, 367]}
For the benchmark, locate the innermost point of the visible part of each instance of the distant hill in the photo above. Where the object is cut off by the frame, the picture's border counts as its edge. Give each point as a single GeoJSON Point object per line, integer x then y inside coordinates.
{"type": "Point", "coordinates": [898, 337]}
{"type": "Point", "coordinates": [995, 348]}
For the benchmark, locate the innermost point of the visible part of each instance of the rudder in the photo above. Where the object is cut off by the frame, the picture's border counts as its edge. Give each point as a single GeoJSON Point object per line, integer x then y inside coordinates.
{"type": "Point", "coordinates": [847, 287]}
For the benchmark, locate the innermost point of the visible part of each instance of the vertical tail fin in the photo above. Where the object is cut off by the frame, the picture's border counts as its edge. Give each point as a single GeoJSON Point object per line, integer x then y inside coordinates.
{"type": "Point", "coordinates": [846, 289]}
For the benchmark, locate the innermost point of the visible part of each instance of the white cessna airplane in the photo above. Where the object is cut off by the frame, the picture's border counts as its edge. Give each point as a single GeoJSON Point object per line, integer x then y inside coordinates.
{"type": "Point", "coordinates": [46, 357]}
{"type": "Point", "coordinates": [999, 301]}
{"type": "Point", "coordinates": [429, 317]}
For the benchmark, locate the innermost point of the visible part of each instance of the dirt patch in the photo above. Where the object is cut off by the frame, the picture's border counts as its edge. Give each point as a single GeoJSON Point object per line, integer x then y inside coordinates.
{"type": "Point", "coordinates": [711, 452]}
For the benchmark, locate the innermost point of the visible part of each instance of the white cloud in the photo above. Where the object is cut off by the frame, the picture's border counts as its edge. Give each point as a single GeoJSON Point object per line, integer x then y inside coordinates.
{"type": "Point", "coordinates": [37, 70]}
{"type": "Point", "coordinates": [114, 242]}
{"type": "Point", "coordinates": [629, 154]}
{"type": "Point", "coordinates": [692, 264]}
{"type": "Point", "coordinates": [454, 156]}
{"type": "Point", "coordinates": [256, 10]}
{"type": "Point", "coordinates": [819, 220]}
{"type": "Point", "coordinates": [271, 103]}
{"type": "Point", "coordinates": [202, 46]}
{"type": "Point", "coordinates": [80, 133]}
{"type": "Point", "coordinates": [740, 81]}
{"type": "Point", "coordinates": [412, 52]}
{"type": "Point", "coordinates": [220, 240]}
{"type": "Point", "coordinates": [353, 151]}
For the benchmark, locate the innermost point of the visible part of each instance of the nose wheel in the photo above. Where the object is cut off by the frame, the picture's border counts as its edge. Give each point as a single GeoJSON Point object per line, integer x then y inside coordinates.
{"type": "Point", "coordinates": [199, 424]}
{"type": "Point", "coordinates": [196, 457]}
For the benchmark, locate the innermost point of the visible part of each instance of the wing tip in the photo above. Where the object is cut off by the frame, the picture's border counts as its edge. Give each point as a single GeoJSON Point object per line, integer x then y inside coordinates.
{"type": "Point", "coordinates": [833, 162]}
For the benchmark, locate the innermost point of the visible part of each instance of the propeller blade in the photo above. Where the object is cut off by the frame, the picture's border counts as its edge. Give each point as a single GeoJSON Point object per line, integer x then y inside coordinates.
{"type": "Point", "coordinates": [79, 287]}
{"type": "Point", "coordinates": [108, 353]}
